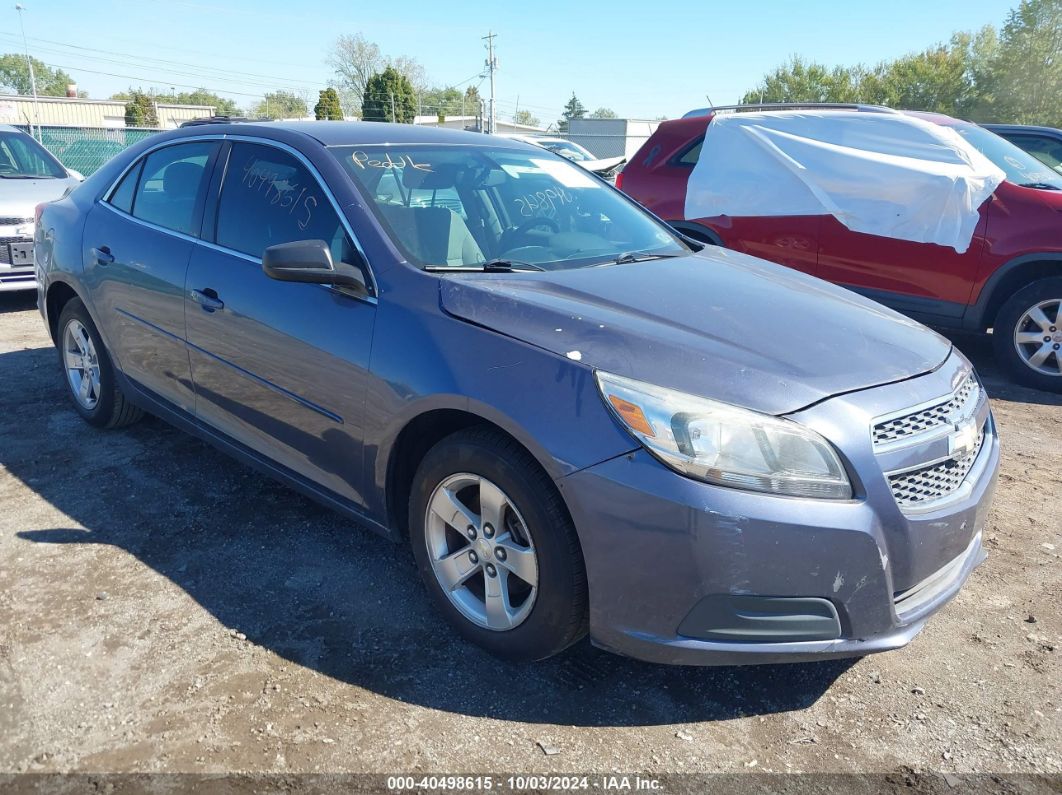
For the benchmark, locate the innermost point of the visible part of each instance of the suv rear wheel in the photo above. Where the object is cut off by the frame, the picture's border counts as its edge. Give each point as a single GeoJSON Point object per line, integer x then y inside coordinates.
{"type": "Point", "coordinates": [1027, 335]}
{"type": "Point", "coordinates": [88, 371]}
{"type": "Point", "coordinates": [496, 547]}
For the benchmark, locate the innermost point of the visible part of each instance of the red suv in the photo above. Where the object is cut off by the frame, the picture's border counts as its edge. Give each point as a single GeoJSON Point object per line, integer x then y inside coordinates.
{"type": "Point", "coordinates": [1009, 279]}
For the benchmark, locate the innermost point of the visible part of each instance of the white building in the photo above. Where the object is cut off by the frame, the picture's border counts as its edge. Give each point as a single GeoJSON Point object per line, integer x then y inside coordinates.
{"type": "Point", "coordinates": [611, 137]}
{"type": "Point", "coordinates": [77, 112]}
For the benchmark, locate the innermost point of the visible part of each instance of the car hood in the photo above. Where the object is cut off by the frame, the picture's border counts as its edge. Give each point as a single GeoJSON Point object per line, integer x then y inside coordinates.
{"type": "Point", "coordinates": [718, 324]}
{"type": "Point", "coordinates": [603, 166]}
{"type": "Point", "coordinates": [18, 197]}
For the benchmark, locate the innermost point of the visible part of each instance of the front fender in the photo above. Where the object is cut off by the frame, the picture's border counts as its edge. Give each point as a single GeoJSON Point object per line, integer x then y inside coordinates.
{"type": "Point", "coordinates": [548, 403]}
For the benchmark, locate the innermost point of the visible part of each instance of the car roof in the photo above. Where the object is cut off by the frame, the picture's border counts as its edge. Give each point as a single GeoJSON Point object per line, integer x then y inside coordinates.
{"type": "Point", "coordinates": [1028, 128]}
{"type": "Point", "coordinates": [350, 133]}
{"type": "Point", "coordinates": [9, 128]}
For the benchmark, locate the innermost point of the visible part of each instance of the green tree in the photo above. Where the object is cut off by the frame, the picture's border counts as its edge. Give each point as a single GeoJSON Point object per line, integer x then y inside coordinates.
{"type": "Point", "coordinates": [798, 80]}
{"type": "Point", "coordinates": [603, 113]}
{"type": "Point", "coordinates": [389, 96]}
{"type": "Point", "coordinates": [572, 110]}
{"type": "Point", "coordinates": [1027, 68]}
{"type": "Point", "coordinates": [15, 77]}
{"type": "Point", "coordinates": [281, 104]}
{"type": "Point", "coordinates": [201, 96]}
{"type": "Point", "coordinates": [355, 60]}
{"type": "Point", "coordinates": [442, 101]}
{"type": "Point", "coordinates": [526, 117]}
{"type": "Point", "coordinates": [1015, 76]}
{"type": "Point", "coordinates": [140, 110]}
{"type": "Point", "coordinates": [328, 106]}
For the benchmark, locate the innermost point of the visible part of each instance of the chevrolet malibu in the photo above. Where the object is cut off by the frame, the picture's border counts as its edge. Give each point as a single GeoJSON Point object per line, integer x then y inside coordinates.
{"type": "Point", "coordinates": [579, 421]}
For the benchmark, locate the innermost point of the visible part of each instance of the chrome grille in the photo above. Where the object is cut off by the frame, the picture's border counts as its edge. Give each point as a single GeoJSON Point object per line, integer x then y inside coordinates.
{"type": "Point", "coordinates": [6, 221]}
{"type": "Point", "coordinates": [928, 419]}
{"type": "Point", "coordinates": [934, 481]}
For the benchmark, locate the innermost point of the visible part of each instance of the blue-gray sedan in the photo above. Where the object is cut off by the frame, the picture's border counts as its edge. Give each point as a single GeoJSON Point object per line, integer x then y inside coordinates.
{"type": "Point", "coordinates": [578, 420]}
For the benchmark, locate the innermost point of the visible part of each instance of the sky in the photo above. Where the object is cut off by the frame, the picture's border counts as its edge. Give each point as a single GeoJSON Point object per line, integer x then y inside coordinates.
{"type": "Point", "coordinates": [641, 59]}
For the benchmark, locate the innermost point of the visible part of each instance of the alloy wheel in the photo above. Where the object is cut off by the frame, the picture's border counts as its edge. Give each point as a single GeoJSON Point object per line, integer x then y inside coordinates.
{"type": "Point", "coordinates": [481, 552]}
{"type": "Point", "coordinates": [82, 365]}
{"type": "Point", "coordinates": [1038, 337]}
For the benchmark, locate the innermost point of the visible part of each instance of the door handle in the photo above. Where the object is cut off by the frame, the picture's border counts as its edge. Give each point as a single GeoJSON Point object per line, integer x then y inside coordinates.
{"type": "Point", "coordinates": [208, 299]}
{"type": "Point", "coordinates": [103, 255]}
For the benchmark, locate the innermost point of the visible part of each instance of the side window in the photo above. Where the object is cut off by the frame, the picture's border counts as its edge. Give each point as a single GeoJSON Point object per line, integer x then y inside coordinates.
{"type": "Point", "coordinates": [1047, 150]}
{"type": "Point", "coordinates": [269, 197]}
{"type": "Point", "coordinates": [691, 155]}
{"type": "Point", "coordinates": [171, 181]}
{"type": "Point", "coordinates": [122, 198]}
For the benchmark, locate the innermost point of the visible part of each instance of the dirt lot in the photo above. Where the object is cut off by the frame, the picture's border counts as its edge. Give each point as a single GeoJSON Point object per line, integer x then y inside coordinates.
{"type": "Point", "coordinates": [163, 608]}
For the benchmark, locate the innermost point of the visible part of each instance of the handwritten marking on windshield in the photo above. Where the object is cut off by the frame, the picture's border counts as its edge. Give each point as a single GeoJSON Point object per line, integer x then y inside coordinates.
{"type": "Point", "coordinates": [543, 202]}
{"type": "Point", "coordinates": [362, 161]}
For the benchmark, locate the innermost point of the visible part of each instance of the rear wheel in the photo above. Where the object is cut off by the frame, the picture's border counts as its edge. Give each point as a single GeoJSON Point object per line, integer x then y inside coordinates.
{"type": "Point", "coordinates": [1027, 335]}
{"type": "Point", "coordinates": [496, 547]}
{"type": "Point", "coordinates": [88, 371]}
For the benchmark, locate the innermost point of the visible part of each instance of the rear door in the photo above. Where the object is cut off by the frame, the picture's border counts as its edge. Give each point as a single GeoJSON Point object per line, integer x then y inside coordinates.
{"type": "Point", "coordinates": [281, 367]}
{"type": "Point", "coordinates": [137, 244]}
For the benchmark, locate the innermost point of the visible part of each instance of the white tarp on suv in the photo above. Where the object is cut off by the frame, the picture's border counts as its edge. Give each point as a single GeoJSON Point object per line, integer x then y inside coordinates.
{"type": "Point", "coordinates": [883, 174]}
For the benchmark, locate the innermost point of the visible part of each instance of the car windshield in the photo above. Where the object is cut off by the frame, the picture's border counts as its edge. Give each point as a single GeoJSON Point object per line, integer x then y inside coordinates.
{"type": "Point", "coordinates": [1020, 167]}
{"type": "Point", "coordinates": [480, 206]}
{"type": "Point", "coordinates": [21, 157]}
{"type": "Point", "coordinates": [567, 149]}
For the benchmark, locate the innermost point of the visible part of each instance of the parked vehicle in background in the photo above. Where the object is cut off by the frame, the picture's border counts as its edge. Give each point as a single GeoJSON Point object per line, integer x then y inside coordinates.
{"type": "Point", "coordinates": [529, 385]}
{"type": "Point", "coordinates": [606, 167]}
{"type": "Point", "coordinates": [1008, 279]}
{"type": "Point", "coordinates": [1043, 143]}
{"type": "Point", "coordinates": [29, 175]}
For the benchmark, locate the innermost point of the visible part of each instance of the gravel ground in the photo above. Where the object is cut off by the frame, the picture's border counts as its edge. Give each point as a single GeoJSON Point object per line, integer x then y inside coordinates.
{"type": "Point", "coordinates": [163, 608]}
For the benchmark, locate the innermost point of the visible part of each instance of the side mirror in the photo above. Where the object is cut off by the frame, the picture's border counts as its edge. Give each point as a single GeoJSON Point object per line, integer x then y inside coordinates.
{"type": "Point", "coordinates": [310, 261]}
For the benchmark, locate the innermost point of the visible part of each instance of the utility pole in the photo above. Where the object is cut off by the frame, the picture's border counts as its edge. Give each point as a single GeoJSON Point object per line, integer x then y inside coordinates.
{"type": "Point", "coordinates": [33, 78]}
{"type": "Point", "coordinates": [392, 93]}
{"type": "Point", "coordinates": [492, 66]}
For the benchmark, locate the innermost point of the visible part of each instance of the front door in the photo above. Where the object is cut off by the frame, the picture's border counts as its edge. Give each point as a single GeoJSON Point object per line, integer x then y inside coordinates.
{"type": "Point", "coordinates": [281, 367]}
{"type": "Point", "coordinates": [924, 279]}
{"type": "Point", "coordinates": [137, 244]}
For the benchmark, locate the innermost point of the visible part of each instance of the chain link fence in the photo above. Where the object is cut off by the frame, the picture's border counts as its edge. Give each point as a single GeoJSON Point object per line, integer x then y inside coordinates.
{"type": "Point", "coordinates": [85, 149]}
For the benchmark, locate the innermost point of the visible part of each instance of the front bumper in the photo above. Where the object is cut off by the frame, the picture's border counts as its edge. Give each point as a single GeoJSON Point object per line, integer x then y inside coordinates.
{"type": "Point", "coordinates": [16, 261]}
{"type": "Point", "coordinates": [659, 546]}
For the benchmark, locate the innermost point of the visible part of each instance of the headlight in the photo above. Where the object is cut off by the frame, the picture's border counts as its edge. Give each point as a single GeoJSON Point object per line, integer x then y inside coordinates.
{"type": "Point", "coordinates": [726, 445]}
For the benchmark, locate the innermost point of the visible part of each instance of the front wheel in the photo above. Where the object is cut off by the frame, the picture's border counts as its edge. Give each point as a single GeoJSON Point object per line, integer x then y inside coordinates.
{"type": "Point", "coordinates": [496, 548]}
{"type": "Point", "coordinates": [1027, 335]}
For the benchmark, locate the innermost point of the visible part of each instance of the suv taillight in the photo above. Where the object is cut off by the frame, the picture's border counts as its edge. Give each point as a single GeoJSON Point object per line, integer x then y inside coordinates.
{"type": "Point", "coordinates": [619, 180]}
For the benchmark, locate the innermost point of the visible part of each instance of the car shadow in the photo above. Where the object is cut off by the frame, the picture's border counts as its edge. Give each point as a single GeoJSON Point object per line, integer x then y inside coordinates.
{"type": "Point", "coordinates": [18, 301]}
{"type": "Point", "coordinates": [978, 349]}
{"type": "Point", "coordinates": [306, 584]}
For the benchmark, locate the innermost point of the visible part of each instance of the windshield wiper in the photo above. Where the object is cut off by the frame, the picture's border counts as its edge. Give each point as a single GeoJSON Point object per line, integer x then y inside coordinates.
{"type": "Point", "coordinates": [490, 266]}
{"type": "Point", "coordinates": [1039, 185]}
{"type": "Point", "coordinates": [637, 256]}
{"type": "Point", "coordinates": [26, 176]}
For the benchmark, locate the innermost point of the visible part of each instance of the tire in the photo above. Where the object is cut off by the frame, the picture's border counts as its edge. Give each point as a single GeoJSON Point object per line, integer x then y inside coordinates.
{"type": "Point", "coordinates": [483, 461]}
{"type": "Point", "coordinates": [1017, 316]}
{"type": "Point", "coordinates": [104, 406]}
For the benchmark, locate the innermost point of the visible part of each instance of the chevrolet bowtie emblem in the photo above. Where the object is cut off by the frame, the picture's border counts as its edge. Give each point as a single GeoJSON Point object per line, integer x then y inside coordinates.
{"type": "Point", "coordinates": [963, 440]}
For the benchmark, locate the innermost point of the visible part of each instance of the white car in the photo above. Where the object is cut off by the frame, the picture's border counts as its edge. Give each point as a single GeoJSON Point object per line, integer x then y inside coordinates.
{"type": "Point", "coordinates": [579, 155]}
{"type": "Point", "coordinates": [29, 175]}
